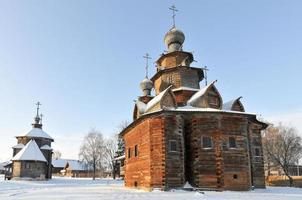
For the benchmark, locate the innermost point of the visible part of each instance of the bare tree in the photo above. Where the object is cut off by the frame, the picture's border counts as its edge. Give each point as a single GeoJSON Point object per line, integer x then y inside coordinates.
{"type": "Point", "coordinates": [282, 147]}
{"type": "Point", "coordinates": [92, 150]}
{"type": "Point", "coordinates": [110, 152]}
{"type": "Point", "coordinates": [56, 154]}
{"type": "Point", "coordinates": [120, 141]}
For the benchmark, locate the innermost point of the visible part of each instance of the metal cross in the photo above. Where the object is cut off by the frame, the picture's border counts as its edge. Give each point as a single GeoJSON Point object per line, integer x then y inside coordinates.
{"type": "Point", "coordinates": [147, 63]}
{"type": "Point", "coordinates": [38, 107]}
{"type": "Point", "coordinates": [173, 8]}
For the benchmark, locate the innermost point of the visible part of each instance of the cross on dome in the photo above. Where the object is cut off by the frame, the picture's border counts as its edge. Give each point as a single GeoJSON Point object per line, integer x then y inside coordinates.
{"type": "Point", "coordinates": [174, 10]}
{"type": "Point", "coordinates": [147, 57]}
{"type": "Point", "coordinates": [38, 107]}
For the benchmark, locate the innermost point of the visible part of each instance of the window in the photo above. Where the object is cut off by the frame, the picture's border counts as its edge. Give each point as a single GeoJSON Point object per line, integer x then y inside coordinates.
{"type": "Point", "coordinates": [232, 142]}
{"type": "Point", "coordinates": [135, 151]}
{"type": "Point", "coordinates": [129, 152]}
{"type": "Point", "coordinates": [170, 79]}
{"type": "Point", "coordinates": [172, 145]}
{"type": "Point", "coordinates": [235, 176]}
{"type": "Point", "coordinates": [257, 152]}
{"type": "Point", "coordinates": [27, 166]}
{"type": "Point", "coordinates": [207, 142]}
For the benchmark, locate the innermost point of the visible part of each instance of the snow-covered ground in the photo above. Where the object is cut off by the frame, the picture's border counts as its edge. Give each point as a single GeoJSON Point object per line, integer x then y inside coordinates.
{"type": "Point", "coordinates": [71, 189]}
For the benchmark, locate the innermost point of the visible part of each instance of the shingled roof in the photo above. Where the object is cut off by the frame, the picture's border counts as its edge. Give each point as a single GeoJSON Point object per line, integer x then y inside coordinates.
{"type": "Point", "coordinates": [39, 133]}
{"type": "Point", "coordinates": [30, 152]}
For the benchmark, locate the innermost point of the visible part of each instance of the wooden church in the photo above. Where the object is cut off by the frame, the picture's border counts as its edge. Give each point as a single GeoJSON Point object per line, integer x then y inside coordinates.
{"type": "Point", "coordinates": [32, 154]}
{"type": "Point", "coordinates": [187, 134]}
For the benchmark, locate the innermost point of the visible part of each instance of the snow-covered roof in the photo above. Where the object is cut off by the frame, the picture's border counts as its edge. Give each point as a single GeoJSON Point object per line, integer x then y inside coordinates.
{"type": "Point", "coordinates": [2, 166]}
{"type": "Point", "coordinates": [18, 146]}
{"type": "Point", "coordinates": [194, 109]}
{"type": "Point", "coordinates": [120, 157]}
{"type": "Point", "coordinates": [229, 105]}
{"type": "Point", "coordinates": [31, 152]}
{"type": "Point", "coordinates": [39, 133]}
{"type": "Point", "coordinates": [199, 94]}
{"type": "Point", "coordinates": [185, 88]}
{"type": "Point", "coordinates": [7, 163]}
{"type": "Point", "coordinates": [59, 163]}
{"type": "Point", "coordinates": [157, 98]}
{"type": "Point", "coordinates": [76, 165]}
{"type": "Point", "coordinates": [46, 147]}
{"type": "Point", "coordinates": [141, 106]}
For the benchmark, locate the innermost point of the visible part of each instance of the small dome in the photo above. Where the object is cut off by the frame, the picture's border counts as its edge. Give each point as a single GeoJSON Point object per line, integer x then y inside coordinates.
{"type": "Point", "coordinates": [174, 39]}
{"type": "Point", "coordinates": [146, 86]}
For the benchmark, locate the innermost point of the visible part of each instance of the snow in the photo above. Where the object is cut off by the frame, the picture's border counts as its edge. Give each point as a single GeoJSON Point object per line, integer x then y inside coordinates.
{"type": "Point", "coordinates": [46, 147]}
{"type": "Point", "coordinates": [156, 99]}
{"type": "Point", "coordinates": [185, 88]}
{"type": "Point", "coordinates": [108, 189]}
{"type": "Point", "coordinates": [228, 105]}
{"type": "Point", "coordinates": [194, 109]}
{"type": "Point", "coordinates": [2, 166]}
{"type": "Point", "coordinates": [187, 186]}
{"type": "Point", "coordinates": [18, 146]}
{"type": "Point", "coordinates": [120, 157]}
{"type": "Point", "coordinates": [141, 106]}
{"type": "Point", "coordinates": [199, 94]}
{"type": "Point", "coordinates": [76, 165]}
{"type": "Point", "coordinates": [59, 163]}
{"type": "Point", "coordinates": [31, 151]}
{"type": "Point", "coordinates": [38, 132]}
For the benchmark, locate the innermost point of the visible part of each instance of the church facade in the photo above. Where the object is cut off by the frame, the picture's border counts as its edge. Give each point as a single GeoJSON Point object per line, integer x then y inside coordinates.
{"type": "Point", "coordinates": [187, 134]}
{"type": "Point", "coordinates": [32, 156]}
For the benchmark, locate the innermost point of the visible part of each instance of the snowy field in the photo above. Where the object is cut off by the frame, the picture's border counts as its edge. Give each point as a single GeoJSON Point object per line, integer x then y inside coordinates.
{"type": "Point", "coordinates": [72, 189]}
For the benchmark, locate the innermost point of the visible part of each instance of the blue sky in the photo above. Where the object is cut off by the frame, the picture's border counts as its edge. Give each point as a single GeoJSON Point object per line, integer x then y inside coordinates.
{"type": "Point", "coordinates": [83, 60]}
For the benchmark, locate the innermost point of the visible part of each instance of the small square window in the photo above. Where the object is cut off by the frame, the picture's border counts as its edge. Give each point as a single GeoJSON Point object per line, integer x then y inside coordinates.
{"type": "Point", "coordinates": [235, 176]}
{"type": "Point", "coordinates": [257, 152]}
{"type": "Point", "coordinates": [207, 142]}
{"type": "Point", "coordinates": [135, 151]}
{"type": "Point", "coordinates": [232, 142]}
{"type": "Point", "coordinates": [172, 145]}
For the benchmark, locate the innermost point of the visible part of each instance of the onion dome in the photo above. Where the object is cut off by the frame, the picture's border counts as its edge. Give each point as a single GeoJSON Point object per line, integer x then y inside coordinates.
{"type": "Point", "coordinates": [174, 39]}
{"type": "Point", "coordinates": [146, 86]}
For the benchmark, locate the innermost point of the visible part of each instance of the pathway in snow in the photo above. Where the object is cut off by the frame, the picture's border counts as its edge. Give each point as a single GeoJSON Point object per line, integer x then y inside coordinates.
{"type": "Point", "coordinates": [73, 189]}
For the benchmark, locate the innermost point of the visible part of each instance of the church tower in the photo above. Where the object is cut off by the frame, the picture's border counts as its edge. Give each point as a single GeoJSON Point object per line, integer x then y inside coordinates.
{"type": "Point", "coordinates": [174, 68]}
{"type": "Point", "coordinates": [32, 156]}
{"type": "Point", "coordinates": [186, 134]}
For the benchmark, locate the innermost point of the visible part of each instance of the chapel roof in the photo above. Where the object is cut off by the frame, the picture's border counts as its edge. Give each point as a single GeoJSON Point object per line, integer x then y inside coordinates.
{"type": "Point", "coordinates": [30, 152]}
{"type": "Point", "coordinates": [46, 147]}
{"type": "Point", "coordinates": [18, 146]}
{"type": "Point", "coordinates": [36, 133]}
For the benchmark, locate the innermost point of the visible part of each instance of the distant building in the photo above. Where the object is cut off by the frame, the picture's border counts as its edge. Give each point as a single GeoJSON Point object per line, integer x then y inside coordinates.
{"type": "Point", "coordinates": [33, 153]}
{"type": "Point", "coordinates": [2, 169]}
{"type": "Point", "coordinates": [119, 166]}
{"type": "Point", "coordinates": [69, 167]}
{"type": "Point", "coordinates": [75, 168]}
{"type": "Point", "coordinates": [58, 165]}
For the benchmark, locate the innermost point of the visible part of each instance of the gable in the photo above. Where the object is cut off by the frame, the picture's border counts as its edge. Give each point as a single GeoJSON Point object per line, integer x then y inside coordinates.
{"type": "Point", "coordinates": [165, 99]}
{"type": "Point", "coordinates": [207, 97]}
{"type": "Point", "coordinates": [234, 105]}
